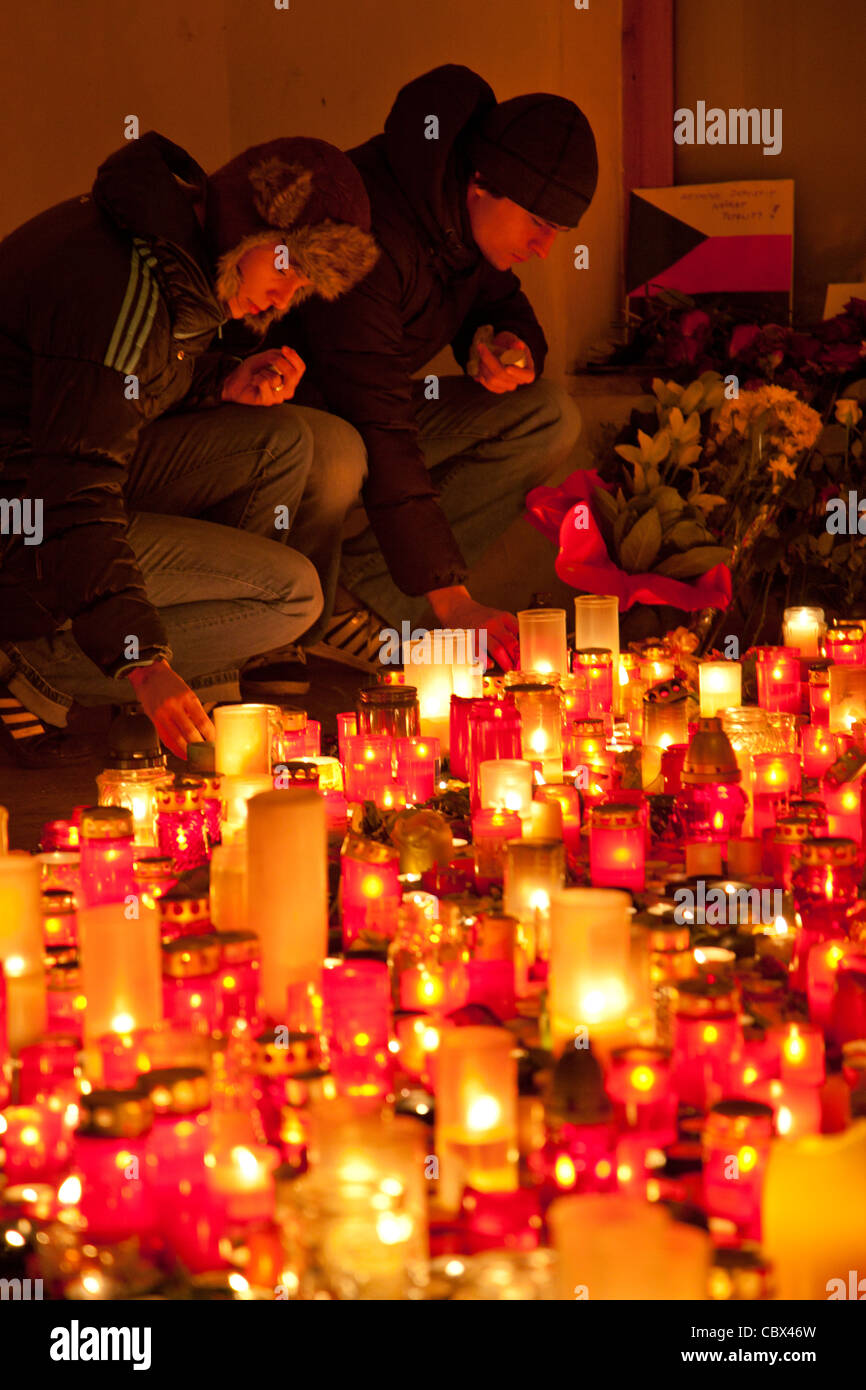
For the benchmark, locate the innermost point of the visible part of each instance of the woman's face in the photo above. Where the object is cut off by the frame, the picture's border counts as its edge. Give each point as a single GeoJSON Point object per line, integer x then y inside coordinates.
{"type": "Point", "coordinates": [266, 284]}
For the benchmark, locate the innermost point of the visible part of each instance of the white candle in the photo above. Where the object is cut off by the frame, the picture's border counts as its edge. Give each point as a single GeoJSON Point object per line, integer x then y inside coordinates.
{"type": "Point", "coordinates": [803, 628]}
{"type": "Point", "coordinates": [721, 685]}
{"type": "Point", "coordinates": [287, 842]}
{"type": "Point", "coordinates": [228, 886]}
{"type": "Point", "coordinates": [21, 948]}
{"type": "Point", "coordinates": [615, 1247]}
{"type": "Point", "coordinates": [506, 785]}
{"type": "Point", "coordinates": [435, 686]}
{"type": "Point", "coordinates": [589, 982]}
{"type": "Point", "coordinates": [542, 640]}
{"type": "Point", "coordinates": [236, 792]}
{"type": "Point", "coordinates": [121, 966]}
{"type": "Point", "coordinates": [243, 739]}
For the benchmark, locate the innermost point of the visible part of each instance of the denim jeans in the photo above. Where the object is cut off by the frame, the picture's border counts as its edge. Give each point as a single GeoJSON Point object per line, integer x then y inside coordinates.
{"type": "Point", "coordinates": [484, 452]}
{"type": "Point", "coordinates": [208, 495]}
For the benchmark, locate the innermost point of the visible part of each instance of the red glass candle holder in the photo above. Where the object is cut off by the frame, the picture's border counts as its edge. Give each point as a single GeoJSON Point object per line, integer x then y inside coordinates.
{"type": "Point", "coordinates": [356, 1011]}
{"type": "Point", "coordinates": [844, 802]}
{"type": "Point", "coordinates": [239, 968]}
{"type": "Point", "coordinates": [370, 889]}
{"type": "Point", "coordinates": [368, 762]}
{"type": "Point", "coordinates": [821, 970]}
{"type": "Point", "coordinates": [736, 1149]}
{"type": "Point", "coordinates": [706, 1032]}
{"type": "Point", "coordinates": [491, 830]}
{"type": "Point", "coordinates": [418, 767]}
{"type": "Point", "coordinates": [347, 727]}
{"type": "Point", "coordinates": [819, 696]}
{"type": "Point", "coordinates": [567, 798]}
{"type": "Point", "coordinates": [616, 847]}
{"type": "Point", "coordinates": [491, 983]}
{"type": "Point", "coordinates": [191, 986]}
{"type": "Point", "coordinates": [825, 884]}
{"type": "Point", "coordinates": [110, 1162]}
{"type": "Point", "coordinates": [845, 643]}
{"type": "Point", "coordinates": [783, 848]}
{"type": "Point", "coordinates": [801, 1053]}
{"type": "Point", "coordinates": [596, 664]}
{"type": "Point", "coordinates": [585, 746]}
{"type": "Point", "coordinates": [60, 837]}
{"type": "Point", "coordinates": [818, 750]}
{"type": "Point", "coordinates": [494, 733]}
{"type": "Point", "coordinates": [848, 1013]}
{"type": "Point", "coordinates": [180, 822]}
{"type": "Point", "coordinates": [638, 1080]}
{"type": "Point", "coordinates": [778, 674]}
{"type": "Point", "coordinates": [185, 1217]}
{"type": "Point", "coordinates": [106, 855]}
{"type": "Point", "coordinates": [458, 736]}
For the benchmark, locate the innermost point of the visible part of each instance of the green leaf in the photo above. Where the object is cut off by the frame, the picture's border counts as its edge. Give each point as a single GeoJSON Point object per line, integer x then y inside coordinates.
{"type": "Point", "coordinates": [667, 499]}
{"type": "Point", "coordinates": [693, 562]}
{"type": "Point", "coordinates": [621, 528]}
{"type": "Point", "coordinates": [642, 544]}
{"type": "Point", "coordinates": [686, 534]}
{"type": "Point", "coordinates": [605, 504]}
{"type": "Point", "coordinates": [628, 452]}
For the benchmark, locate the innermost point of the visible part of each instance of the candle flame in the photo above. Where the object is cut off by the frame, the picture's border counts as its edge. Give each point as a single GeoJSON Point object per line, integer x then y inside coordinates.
{"type": "Point", "coordinates": [246, 1161]}
{"type": "Point", "coordinates": [642, 1078]}
{"type": "Point", "coordinates": [484, 1113]}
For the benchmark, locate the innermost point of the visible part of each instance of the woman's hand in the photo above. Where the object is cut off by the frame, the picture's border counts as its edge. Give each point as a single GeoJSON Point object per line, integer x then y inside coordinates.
{"type": "Point", "coordinates": [268, 378]}
{"type": "Point", "coordinates": [174, 709]}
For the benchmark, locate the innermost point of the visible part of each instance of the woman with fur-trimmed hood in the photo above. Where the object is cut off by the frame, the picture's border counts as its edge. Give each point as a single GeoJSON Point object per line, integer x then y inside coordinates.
{"type": "Point", "coordinates": [109, 303]}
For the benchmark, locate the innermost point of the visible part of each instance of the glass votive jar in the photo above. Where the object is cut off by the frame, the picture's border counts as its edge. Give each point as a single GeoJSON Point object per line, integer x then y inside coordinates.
{"type": "Point", "coordinates": [370, 888]}
{"type": "Point", "coordinates": [132, 782]}
{"type": "Point", "coordinates": [784, 848]}
{"type": "Point", "coordinates": [64, 1000]}
{"type": "Point", "coordinates": [818, 750]}
{"type": "Point", "coordinates": [847, 704]}
{"type": "Point", "coordinates": [59, 918]}
{"type": "Point", "coordinates": [347, 727]}
{"type": "Point", "coordinates": [493, 732]}
{"type": "Point", "coordinates": [106, 855]}
{"type": "Point", "coordinates": [736, 1143]}
{"type": "Point", "coordinates": [368, 760]}
{"type": "Point", "coordinates": [617, 847]}
{"type": "Point", "coordinates": [638, 1081]}
{"type": "Point", "coordinates": [491, 829]}
{"type": "Point", "coordinates": [542, 640]}
{"type": "Point", "coordinates": [707, 1031]}
{"type": "Point", "coordinates": [844, 803]}
{"type": "Point", "coordinates": [534, 870]}
{"type": "Point", "coordinates": [180, 822]}
{"type": "Point", "coordinates": [244, 739]}
{"type": "Point", "coordinates": [418, 767]}
{"type": "Point", "coordinates": [721, 686]}
{"type": "Point", "coordinates": [239, 967]}
{"type": "Point", "coordinates": [800, 1047]}
{"type": "Point", "coordinates": [34, 1142]}
{"type": "Point", "coordinates": [803, 628]}
{"type": "Point", "coordinates": [845, 643]}
{"type": "Point", "coordinates": [665, 714]}
{"type": "Point", "coordinates": [596, 664]}
{"type": "Point", "coordinates": [847, 1022]}
{"type": "Point", "coordinates": [183, 913]}
{"type": "Point", "coordinates": [585, 745]}
{"type": "Point", "coordinates": [190, 986]}
{"type": "Point", "coordinates": [457, 742]}
{"type": "Point", "coordinates": [662, 945]}
{"type": "Point", "coordinates": [778, 675]}
{"type": "Point", "coordinates": [541, 729]}
{"type": "Point", "coordinates": [819, 694]}
{"type": "Point", "coordinates": [476, 1112]}
{"type": "Point", "coordinates": [175, 1148]}
{"type": "Point", "coordinates": [356, 1013]}
{"type": "Point", "coordinates": [565, 796]}
{"type": "Point", "coordinates": [388, 710]}
{"type": "Point", "coordinates": [825, 884]}
{"type": "Point", "coordinates": [110, 1162]}
{"type": "Point", "coordinates": [506, 784]}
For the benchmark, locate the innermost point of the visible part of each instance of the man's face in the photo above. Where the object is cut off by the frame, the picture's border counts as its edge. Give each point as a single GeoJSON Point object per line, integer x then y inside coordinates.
{"type": "Point", "coordinates": [506, 233]}
{"type": "Point", "coordinates": [263, 287]}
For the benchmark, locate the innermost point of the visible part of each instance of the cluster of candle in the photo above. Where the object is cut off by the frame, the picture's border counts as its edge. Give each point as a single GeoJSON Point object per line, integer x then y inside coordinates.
{"type": "Point", "coordinates": [225, 1074]}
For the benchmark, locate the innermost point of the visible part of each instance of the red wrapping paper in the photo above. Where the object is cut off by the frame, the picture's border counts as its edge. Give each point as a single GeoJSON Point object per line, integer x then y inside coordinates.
{"type": "Point", "coordinates": [583, 561]}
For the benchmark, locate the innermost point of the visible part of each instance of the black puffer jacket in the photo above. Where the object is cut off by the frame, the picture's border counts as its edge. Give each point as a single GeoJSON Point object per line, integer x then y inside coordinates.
{"type": "Point", "coordinates": [430, 288]}
{"type": "Point", "coordinates": [100, 297]}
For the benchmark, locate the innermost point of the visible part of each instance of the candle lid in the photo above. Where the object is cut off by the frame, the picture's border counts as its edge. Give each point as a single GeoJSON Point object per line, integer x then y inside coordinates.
{"type": "Point", "coordinates": [739, 1119]}
{"type": "Point", "coordinates": [153, 866]}
{"type": "Point", "coordinates": [845, 629]}
{"type": "Point", "coordinates": [710, 759]}
{"type": "Point", "coordinates": [133, 743]}
{"type": "Point", "coordinates": [593, 656]}
{"type": "Point", "coordinates": [827, 850]}
{"type": "Point", "coordinates": [792, 829]}
{"type": "Point", "coordinates": [238, 947]}
{"type": "Point", "coordinates": [62, 975]}
{"type": "Point", "coordinates": [106, 823]}
{"type": "Point", "coordinates": [673, 692]}
{"type": "Point", "coordinates": [611, 813]}
{"type": "Point", "coordinates": [113, 1114]}
{"type": "Point", "coordinates": [180, 908]}
{"type": "Point", "coordinates": [280, 1051]}
{"type": "Point", "coordinates": [183, 794]}
{"type": "Point", "coordinates": [58, 902]}
{"type": "Point", "coordinates": [576, 1093]}
{"type": "Point", "coordinates": [702, 996]}
{"type": "Point", "coordinates": [664, 932]}
{"type": "Point", "coordinates": [176, 1090]}
{"type": "Point", "coordinates": [60, 955]}
{"type": "Point", "coordinates": [190, 955]}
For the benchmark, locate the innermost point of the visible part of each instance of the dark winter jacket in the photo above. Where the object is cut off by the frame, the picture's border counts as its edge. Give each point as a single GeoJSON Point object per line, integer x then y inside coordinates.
{"type": "Point", "coordinates": [106, 312]}
{"type": "Point", "coordinates": [430, 288]}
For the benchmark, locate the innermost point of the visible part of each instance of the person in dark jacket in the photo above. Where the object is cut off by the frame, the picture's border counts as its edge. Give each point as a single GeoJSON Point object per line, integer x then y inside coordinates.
{"type": "Point", "coordinates": [462, 189]}
{"type": "Point", "coordinates": [146, 502]}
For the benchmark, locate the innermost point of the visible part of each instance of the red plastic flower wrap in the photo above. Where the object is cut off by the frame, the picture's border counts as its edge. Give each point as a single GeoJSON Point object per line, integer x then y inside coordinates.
{"type": "Point", "coordinates": [566, 514]}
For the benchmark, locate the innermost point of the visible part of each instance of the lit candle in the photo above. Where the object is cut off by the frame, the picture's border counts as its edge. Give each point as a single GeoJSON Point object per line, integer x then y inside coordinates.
{"type": "Point", "coordinates": [847, 697]}
{"type": "Point", "coordinates": [802, 628]}
{"type": "Point", "coordinates": [238, 791]}
{"type": "Point", "coordinates": [617, 847]}
{"type": "Point", "coordinates": [107, 855]}
{"type": "Point", "coordinates": [534, 871]}
{"type": "Point", "coordinates": [596, 624]}
{"type": "Point", "coordinates": [819, 750]}
{"type": "Point", "coordinates": [356, 1013]}
{"type": "Point", "coordinates": [801, 1053]}
{"type": "Point", "coordinates": [435, 987]}
{"type": "Point", "coordinates": [180, 822]}
{"type": "Point", "coordinates": [493, 731]}
{"type": "Point", "coordinates": [370, 888]}
{"type": "Point", "coordinates": [287, 867]}
{"type": "Point", "coordinates": [821, 970]}
{"type": "Point", "coordinates": [665, 722]}
{"type": "Point", "coordinates": [476, 1112]}
{"type": "Point", "coordinates": [110, 1180]}
{"type": "Point", "coordinates": [566, 797]}
{"type": "Point", "coordinates": [814, 1214]}
{"type": "Point", "coordinates": [612, 1246]}
{"type": "Point", "coordinates": [596, 664]}
{"type": "Point", "coordinates": [21, 948]}
{"type": "Point", "coordinates": [542, 641]}
{"type": "Point", "coordinates": [707, 1032]}
{"type": "Point", "coordinates": [721, 684]}
{"type": "Point", "coordinates": [844, 809]}
{"type": "Point", "coordinates": [121, 967]}
{"type": "Point", "coordinates": [544, 822]}
{"type": "Point", "coordinates": [506, 785]}
{"type": "Point", "coordinates": [417, 767]}
{"type": "Point", "coordinates": [639, 1081]}
{"type": "Point", "coordinates": [368, 762]}
{"type": "Point", "coordinates": [844, 643]}
{"type": "Point", "coordinates": [736, 1148]}
{"type": "Point", "coordinates": [243, 739]}
{"type": "Point", "coordinates": [778, 673]}
{"type": "Point", "coordinates": [228, 887]}
{"type": "Point", "coordinates": [491, 829]}
{"type": "Point", "coordinates": [775, 778]}
{"type": "Point", "coordinates": [241, 1177]}
{"type": "Point", "coordinates": [434, 683]}
{"type": "Point", "coordinates": [541, 729]}
{"type": "Point", "coordinates": [588, 984]}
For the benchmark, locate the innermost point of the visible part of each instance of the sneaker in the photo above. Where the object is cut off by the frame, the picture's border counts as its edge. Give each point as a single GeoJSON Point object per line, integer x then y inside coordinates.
{"type": "Point", "coordinates": [275, 674]}
{"type": "Point", "coordinates": [352, 639]}
{"type": "Point", "coordinates": [30, 745]}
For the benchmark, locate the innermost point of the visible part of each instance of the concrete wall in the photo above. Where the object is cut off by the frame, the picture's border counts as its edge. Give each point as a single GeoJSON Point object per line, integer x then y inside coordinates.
{"type": "Point", "coordinates": [217, 75]}
{"type": "Point", "coordinates": [806, 58]}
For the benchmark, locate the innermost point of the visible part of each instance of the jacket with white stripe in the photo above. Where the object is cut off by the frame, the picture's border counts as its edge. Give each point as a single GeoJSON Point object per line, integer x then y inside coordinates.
{"type": "Point", "coordinates": [107, 308]}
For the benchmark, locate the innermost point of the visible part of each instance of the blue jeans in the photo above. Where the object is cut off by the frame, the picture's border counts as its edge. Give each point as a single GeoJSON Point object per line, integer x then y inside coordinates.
{"type": "Point", "coordinates": [208, 494]}
{"type": "Point", "coordinates": [484, 452]}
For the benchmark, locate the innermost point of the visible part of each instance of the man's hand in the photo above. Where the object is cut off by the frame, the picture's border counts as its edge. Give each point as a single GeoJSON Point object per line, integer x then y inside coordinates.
{"type": "Point", "coordinates": [497, 376]}
{"type": "Point", "coordinates": [268, 378]}
{"type": "Point", "coordinates": [172, 707]}
{"type": "Point", "coordinates": [456, 608]}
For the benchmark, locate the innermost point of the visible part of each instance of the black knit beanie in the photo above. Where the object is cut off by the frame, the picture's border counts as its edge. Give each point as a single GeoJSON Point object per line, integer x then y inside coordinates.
{"type": "Point", "coordinates": [539, 151]}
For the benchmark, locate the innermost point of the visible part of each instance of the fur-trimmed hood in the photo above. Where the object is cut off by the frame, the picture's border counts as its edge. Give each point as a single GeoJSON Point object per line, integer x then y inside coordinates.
{"type": "Point", "coordinates": [299, 193]}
